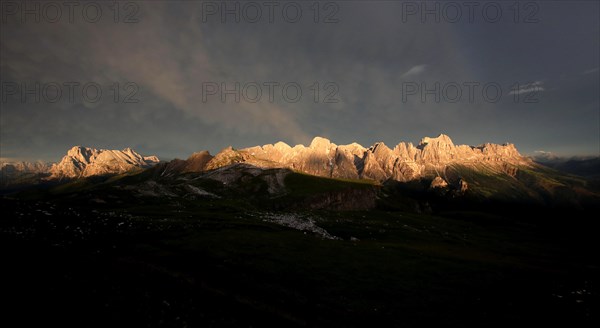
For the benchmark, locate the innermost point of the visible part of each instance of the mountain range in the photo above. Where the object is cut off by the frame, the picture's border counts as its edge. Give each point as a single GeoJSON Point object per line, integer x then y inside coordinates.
{"type": "Point", "coordinates": [378, 162]}
{"type": "Point", "coordinates": [585, 166]}
{"type": "Point", "coordinates": [405, 162]}
{"type": "Point", "coordinates": [484, 171]}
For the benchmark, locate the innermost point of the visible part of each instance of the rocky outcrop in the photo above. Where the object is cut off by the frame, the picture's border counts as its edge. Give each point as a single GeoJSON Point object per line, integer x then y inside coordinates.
{"type": "Point", "coordinates": [197, 162]}
{"type": "Point", "coordinates": [347, 162]}
{"type": "Point", "coordinates": [85, 162]}
{"type": "Point", "coordinates": [437, 183]}
{"type": "Point", "coordinates": [437, 150]}
{"type": "Point", "coordinates": [227, 156]}
{"type": "Point", "coordinates": [463, 186]}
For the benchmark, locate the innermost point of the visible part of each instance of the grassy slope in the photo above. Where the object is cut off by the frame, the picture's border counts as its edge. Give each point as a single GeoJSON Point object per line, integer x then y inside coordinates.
{"type": "Point", "coordinates": [304, 184]}
{"type": "Point", "coordinates": [530, 185]}
{"type": "Point", "coordinates": [211, 262]}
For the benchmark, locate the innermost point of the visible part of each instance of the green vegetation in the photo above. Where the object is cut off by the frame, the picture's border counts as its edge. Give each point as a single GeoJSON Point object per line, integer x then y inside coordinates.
{"type": "Point", "coordinates": [301, 184]}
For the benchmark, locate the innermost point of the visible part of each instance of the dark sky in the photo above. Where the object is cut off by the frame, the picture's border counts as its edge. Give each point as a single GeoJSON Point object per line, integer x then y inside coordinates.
{"type": "Point", "coordinates": [372, 61]}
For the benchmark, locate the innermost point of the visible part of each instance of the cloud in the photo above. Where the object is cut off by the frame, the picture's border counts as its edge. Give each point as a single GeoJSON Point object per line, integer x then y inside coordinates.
{"type": "Point", "coordinates": [415, 70]}
{"type": "Point", "coordinates": [536, 86]}
{"type": "Point", "coordinates": [542, 155]}
{"type": "Point", "coordinates": [170, 58]}
{"type": "Point", "coordinates": [368, 54]}
{"type": "Point", "coordinates": [590, 71]}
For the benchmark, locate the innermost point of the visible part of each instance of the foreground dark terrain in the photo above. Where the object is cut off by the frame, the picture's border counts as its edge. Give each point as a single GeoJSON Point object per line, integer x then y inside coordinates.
{"type": "Point", "coordinates": [106, 254]}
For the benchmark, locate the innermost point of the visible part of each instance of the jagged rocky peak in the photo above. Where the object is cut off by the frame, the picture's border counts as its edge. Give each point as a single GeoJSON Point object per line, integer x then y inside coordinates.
{"type": "Point", "coordinates": [282, 146]}
{"type": "Point", "coordinates": [320, 143]}
{"type": "Point", "coordinates": [441, 140]}
{"type": "Point", "coordinates": [497, 152]}
{"type": "Point", "coordinates": [83, 162]}
{"type": "Point", "coordinates": [354, 148]}
{"type": "Point", "coordinates": [380, 150]}
{"type": "Point", "coordinates": [82, 154]}
{"type": "Point", "coordinates": [373, 168]}
{"type": "Point", "coordinates": [197, 162]}
{"type": "Point", "coordinates": [200, 154]}
{"type": "Point", "coordinates": [440, 149]}
{"type": "Point", "coordinates": [406, 151]}
{"type": "Point", "coordinates": [152, 159]}
{"type": "Point", "coordinates": [228, 156]}
{"type": "Point", "coordinates": [378, 147]}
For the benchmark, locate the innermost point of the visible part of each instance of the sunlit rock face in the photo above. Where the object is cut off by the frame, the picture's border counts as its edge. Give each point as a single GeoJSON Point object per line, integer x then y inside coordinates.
{"type": "Point", "coordinates": [404, 162]}
{"type": "Point", "coordinates": [438, 182]}
{"type": "Point", "coordinates": [85, 162]}
{"type": "Point", "coordinates": [25, 167]}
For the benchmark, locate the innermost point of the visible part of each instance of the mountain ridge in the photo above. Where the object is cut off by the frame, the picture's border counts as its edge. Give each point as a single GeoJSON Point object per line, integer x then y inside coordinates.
{"type": "Point", "coordinates": [402, 162]}
{"type": "Point", "coordinates": [405, 162]}
{"type": "Point", "coordinates": [84, 162]}
{"type": "Point", "coordinates": [435, 167]}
